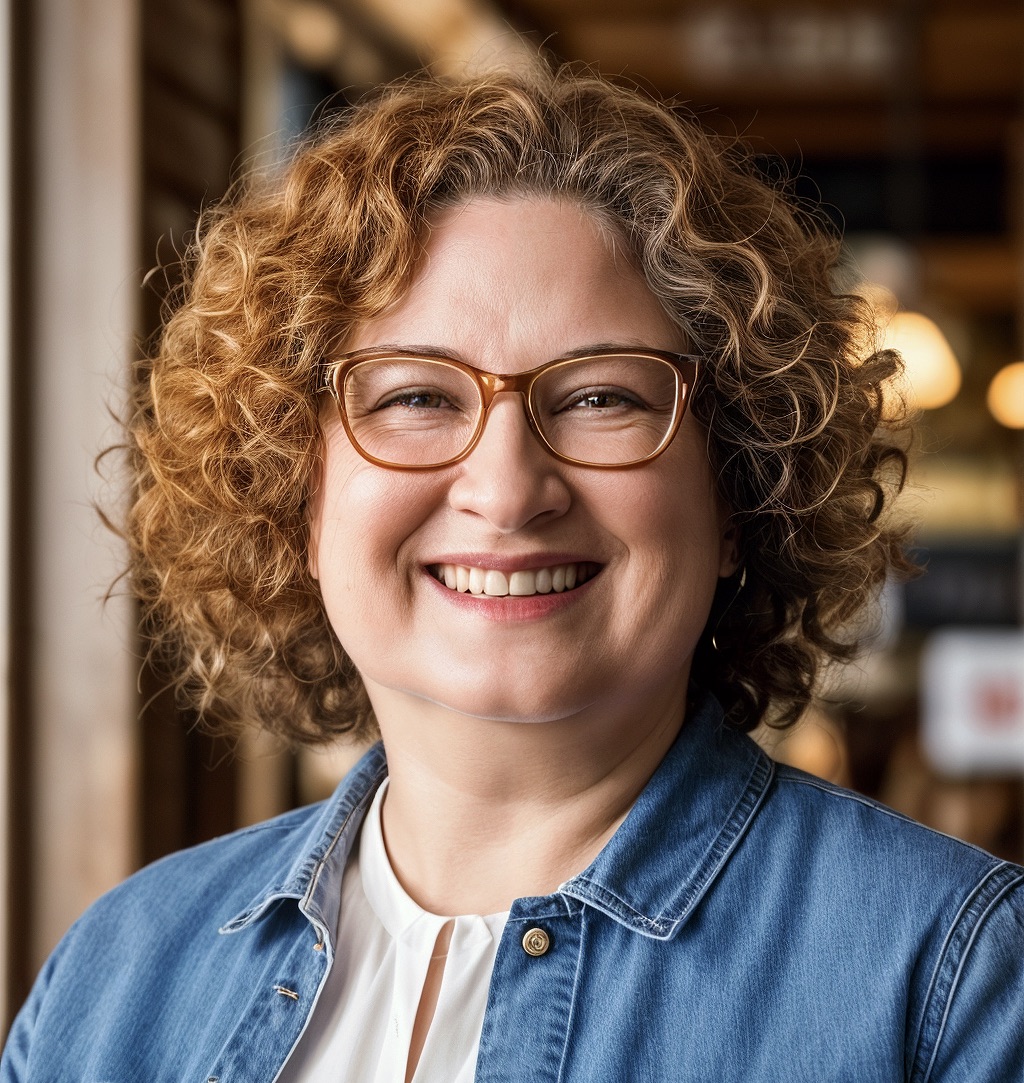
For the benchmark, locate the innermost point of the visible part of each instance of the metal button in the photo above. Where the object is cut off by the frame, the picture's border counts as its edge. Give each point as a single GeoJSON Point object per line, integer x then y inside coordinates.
{"type": "Point", "coordinates": [536, 942]}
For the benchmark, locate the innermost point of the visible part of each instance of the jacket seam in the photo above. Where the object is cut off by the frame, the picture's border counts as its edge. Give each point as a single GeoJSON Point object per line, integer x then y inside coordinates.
{"type": "Point", "coordinates": [879, 807]}
{"type": "Point", "coordinates": [572, 1002]}
{"type": "Point", "coordinates": [960, 939]}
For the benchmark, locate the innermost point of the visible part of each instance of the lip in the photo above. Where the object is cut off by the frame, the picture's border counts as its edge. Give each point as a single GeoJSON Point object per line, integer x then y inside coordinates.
{"type": "Point", "coordinates": [509, 563]}
{"type": "Point", "coordinates": [510, 608]}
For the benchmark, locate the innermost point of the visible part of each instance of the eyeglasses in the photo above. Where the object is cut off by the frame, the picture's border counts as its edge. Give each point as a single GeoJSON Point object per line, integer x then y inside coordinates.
{"type": "Point", "coordinates": [610, 408]}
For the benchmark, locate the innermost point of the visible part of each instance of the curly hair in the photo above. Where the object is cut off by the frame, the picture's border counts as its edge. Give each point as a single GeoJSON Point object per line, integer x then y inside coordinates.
{"type": "Point", "coordinates": [225, 433]}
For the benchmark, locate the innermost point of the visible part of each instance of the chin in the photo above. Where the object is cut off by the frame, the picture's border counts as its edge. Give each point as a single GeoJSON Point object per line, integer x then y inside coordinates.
{"type": "Point", "coordinates": [489, 707]}
{"type": "Point", "coordinates": [503, 699]}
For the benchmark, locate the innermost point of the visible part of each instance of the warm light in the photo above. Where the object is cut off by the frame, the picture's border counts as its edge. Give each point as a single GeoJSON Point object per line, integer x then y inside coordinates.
{"type": "Point", "coordinates": [931, 374]}
{"type": "Point", "coordinates": [315, 32]}
{"type": "Point", "coordinates": [1006, 396]}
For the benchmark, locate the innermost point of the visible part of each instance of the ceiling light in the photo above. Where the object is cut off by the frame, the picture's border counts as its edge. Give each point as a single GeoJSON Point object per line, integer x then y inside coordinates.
{"type": "Point", "coordinates": [931, 375]}
{"type": "Point", "coordinates": [1006, 396]}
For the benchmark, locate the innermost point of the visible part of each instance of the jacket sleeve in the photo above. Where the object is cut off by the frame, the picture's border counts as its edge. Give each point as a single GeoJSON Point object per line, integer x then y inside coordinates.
{"type": "Point", "coordinates": [974, 1028]}
{"type": "Point", "coordinates": [15, 1063]}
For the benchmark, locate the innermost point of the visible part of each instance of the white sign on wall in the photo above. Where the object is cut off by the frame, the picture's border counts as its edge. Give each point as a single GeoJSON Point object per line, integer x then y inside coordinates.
{"type": "Point", "coordinates": [973, 701]}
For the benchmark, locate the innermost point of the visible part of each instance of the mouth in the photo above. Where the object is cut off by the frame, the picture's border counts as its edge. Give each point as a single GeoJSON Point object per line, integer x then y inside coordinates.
{"type": "Point", "coordinates": [523, 583]}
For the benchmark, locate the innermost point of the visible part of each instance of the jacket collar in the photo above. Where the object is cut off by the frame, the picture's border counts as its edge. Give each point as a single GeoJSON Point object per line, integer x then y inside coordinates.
{"type": "Point", "coordinates": [677, 838]}
{"type": "Point", "coordinates": [313, 863]}
{"type": "Point", "coordinates": [683, 828]}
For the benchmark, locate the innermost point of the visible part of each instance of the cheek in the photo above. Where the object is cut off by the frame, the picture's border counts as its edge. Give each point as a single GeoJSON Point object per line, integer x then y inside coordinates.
{"type": "Point", "coordinates": [364, 515]}
{"type": "Point", "coordinates": [669, 522]}
{"type": "Point", "coordinates": [671, 510]}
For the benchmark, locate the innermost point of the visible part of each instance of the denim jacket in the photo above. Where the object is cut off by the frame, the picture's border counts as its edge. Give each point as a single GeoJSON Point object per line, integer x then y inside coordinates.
{"type": "Point", "coordinates": [746, 922]}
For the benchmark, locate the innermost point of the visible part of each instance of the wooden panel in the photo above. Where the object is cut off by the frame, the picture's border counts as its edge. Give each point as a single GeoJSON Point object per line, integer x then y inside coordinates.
{"type": "Point", "coordinates": [193, 45]}
{"type": "Point", "coordinates": [676, 59]}
{"type": "Point", "coordinates": [186, 147]}
{"type": "Point", "coordinates": [191, 97]}
{"type": "Point", "coordinates": [79, 654]}
{"type": "Point", "coordinates": [188, 779]}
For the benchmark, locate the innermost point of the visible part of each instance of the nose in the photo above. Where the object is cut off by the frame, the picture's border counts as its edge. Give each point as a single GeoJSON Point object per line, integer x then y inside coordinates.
{"type": "Point", "coordinates": [509, 478]}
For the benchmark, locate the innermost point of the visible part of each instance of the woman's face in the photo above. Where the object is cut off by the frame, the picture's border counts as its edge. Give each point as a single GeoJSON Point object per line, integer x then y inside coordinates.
{"type": "Point", "coordinates": [507, 286]}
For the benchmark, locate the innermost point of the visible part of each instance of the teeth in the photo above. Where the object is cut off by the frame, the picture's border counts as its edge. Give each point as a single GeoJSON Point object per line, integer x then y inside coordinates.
{"type": "Point", "coordinates": [495, 584]}
{"type": "Point", "coordinates": [520, 584]}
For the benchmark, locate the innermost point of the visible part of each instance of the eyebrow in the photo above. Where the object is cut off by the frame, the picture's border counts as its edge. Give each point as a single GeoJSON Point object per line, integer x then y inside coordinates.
{"type": "Point", "coordinates": [423, 350]}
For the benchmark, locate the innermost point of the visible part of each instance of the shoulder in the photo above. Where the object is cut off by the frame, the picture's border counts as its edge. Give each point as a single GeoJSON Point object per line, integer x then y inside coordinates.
{"type": "Point", "coordinates": [939, 920]}
{"type": "Point", "coordinates": [174, 954]}
{"type": "Point", "coordinates": [231, 876]}
{"type": "Point", "coordinates": [179, 907]}
{"type": "Point", "coordinates": [866, 832]}
{"type": "Point", "coordinates": [221, 875]}
{"type": "Point", "coordinates": [137, 949]}
{"type": "Point", "coordinates": [834, 854]}
{"type": "Point", "coordinates": [904, 875]}
{"type": "Point", "coordinates": [173, 911]}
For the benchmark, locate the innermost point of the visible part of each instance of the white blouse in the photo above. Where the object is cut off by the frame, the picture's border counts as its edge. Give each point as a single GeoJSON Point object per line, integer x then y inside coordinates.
{"type": "Point", "coordinates": [362, 1023]}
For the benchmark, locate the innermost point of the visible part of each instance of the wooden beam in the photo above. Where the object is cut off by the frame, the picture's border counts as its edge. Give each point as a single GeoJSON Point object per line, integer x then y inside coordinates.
{"type": "Point", "coordinates": [967, 57]}
{"type": "Point", "coordinates": [973, 275]}
{"type": "Point", "coordinates": [856, 130]}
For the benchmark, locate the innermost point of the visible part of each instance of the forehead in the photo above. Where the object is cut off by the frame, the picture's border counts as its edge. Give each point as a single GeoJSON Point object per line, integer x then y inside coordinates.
{"type": "Point", "coordinates": [521, 276]}
{"type": "Point", "coordinates": [522, 222]}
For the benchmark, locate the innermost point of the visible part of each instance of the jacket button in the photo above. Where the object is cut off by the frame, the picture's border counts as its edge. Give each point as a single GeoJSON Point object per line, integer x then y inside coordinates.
{"type": "Point", "coordinates": [536, 942]}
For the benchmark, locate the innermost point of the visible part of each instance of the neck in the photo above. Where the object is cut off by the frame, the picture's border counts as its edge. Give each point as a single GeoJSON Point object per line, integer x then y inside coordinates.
{"type": "Point", "coordinates": [479, 813]}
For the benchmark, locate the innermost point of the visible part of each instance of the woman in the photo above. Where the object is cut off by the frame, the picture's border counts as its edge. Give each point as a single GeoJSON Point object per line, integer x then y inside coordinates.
{"type": "Point", "coordinates": [520, 420]}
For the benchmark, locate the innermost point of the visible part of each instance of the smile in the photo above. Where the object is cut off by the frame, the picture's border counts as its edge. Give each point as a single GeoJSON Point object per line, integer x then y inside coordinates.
{"type": "Point", "coordinates": [519, 584]}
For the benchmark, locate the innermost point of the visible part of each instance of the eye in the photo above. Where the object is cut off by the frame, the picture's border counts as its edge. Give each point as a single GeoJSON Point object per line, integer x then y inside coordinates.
{"type": "Point", "coordinates": [602, 398]}
{"type": "Point", "coordinates": [417, 398]}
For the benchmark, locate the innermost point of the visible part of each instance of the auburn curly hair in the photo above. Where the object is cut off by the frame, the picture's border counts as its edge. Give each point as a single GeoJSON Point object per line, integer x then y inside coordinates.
{"type": "Point", "coordinates": [225, 433]}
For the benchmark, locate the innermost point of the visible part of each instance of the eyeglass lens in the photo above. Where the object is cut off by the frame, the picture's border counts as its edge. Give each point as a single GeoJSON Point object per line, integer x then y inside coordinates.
{"type": "Point", "coordinates": [602, 410]}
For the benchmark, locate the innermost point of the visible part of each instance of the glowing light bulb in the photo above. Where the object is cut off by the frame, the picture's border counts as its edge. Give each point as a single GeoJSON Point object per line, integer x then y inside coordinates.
{"type": "Point", "coordinates": [1006, 396]}
{"type": "Point", "coordinates": [931, 376]}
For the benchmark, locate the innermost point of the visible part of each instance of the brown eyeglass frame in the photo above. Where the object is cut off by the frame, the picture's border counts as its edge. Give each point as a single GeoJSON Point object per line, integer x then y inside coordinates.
{"type": "Point", "coordinates": [491, 384]}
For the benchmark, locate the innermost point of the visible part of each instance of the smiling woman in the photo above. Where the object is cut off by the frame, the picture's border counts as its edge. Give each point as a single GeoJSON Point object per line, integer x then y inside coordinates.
{"type": "Point", "coordinates": [518, 423]}
{"type": "Point", "coordinates": [493, 286]}
{"type": "Point", "coordinates": [228, 428]}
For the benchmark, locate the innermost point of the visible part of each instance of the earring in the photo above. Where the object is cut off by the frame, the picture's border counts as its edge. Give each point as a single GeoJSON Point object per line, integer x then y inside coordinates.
{"type": "Point", "coordinates": [742, 583]}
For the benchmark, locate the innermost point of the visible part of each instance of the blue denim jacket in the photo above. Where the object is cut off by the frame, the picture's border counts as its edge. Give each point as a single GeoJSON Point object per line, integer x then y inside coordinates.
{"type": "Point", "coordinates": [746, 922]}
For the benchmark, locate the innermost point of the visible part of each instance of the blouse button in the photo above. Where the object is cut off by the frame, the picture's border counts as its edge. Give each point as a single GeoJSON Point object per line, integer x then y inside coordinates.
{"type": "Point", "coordinates": [536, 942]}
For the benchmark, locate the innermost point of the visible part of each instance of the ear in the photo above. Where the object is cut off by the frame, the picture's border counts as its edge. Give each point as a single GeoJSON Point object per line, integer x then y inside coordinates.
{"type": "Point", "coordinates": [314, 517]}
{"type": "Point", "coordinates": [728, 548]}
{"type": "Point", "coordinates": [312, 540]}
{"type": "Point", "coordinates": [312, 561]}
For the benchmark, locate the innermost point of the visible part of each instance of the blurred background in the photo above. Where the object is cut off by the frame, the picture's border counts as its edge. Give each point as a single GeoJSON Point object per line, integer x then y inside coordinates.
{"type": "Point", "coordinates": [123, 117]}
